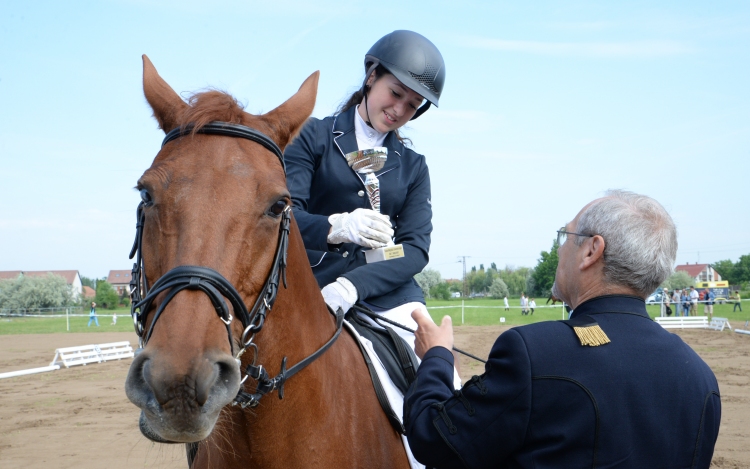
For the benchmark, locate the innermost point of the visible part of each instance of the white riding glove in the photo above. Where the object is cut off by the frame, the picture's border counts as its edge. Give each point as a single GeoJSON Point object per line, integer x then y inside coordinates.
{"type": "Point", "coordinates": [363, 226]}
{"type": "Point", "coordinates": [340, 294]}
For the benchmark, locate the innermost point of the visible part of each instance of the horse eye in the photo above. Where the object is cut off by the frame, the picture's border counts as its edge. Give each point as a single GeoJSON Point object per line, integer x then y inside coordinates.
{"type": "Point", "coordinates": [277, 208]}
{"type": "Point", "coordinates": [146, 198]}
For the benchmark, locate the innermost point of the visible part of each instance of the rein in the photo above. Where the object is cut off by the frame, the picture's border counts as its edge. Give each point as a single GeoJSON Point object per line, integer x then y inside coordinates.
{"type": "Point", "coordinates": [213, 284]}
{"type": "Point", "coordinates": [377, 317]}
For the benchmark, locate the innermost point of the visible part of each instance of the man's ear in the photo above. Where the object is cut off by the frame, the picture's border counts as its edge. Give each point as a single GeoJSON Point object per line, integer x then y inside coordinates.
{"type": "Point", "coordinates": [593, 252]}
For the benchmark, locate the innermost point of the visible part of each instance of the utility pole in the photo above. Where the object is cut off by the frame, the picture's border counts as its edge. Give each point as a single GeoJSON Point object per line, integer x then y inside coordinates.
{"type": "Point", "coordinates": [463, 259]}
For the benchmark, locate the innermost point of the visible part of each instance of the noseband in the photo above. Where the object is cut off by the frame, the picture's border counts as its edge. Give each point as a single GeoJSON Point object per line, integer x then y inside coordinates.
{"type": "Point", "coordinates": [213, 284]}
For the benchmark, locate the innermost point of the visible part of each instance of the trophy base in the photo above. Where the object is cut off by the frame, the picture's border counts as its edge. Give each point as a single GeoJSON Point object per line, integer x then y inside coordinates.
{"type": "Point", "coordinates": [384, 254]}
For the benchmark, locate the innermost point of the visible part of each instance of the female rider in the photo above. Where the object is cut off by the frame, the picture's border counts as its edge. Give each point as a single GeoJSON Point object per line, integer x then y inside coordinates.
{"type": "Point", "coordinates": [404, 76]}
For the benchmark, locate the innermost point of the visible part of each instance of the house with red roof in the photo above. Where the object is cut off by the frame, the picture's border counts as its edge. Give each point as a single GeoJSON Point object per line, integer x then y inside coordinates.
{"type": "Point", "coordinates": [88, 292]}
{"type": "Point", "coordinates": [700, 272]}
{"type": "Point", "coordinates": [10, 274]}
{"type": "Point", "coordinates": [71, 277]}
{"type": "Point", "coordinates": [120, 281]}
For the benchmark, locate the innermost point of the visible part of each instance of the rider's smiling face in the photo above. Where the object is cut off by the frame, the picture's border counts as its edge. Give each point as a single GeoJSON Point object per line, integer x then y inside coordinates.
{"type": "Point", "coordinates": [390, 104]}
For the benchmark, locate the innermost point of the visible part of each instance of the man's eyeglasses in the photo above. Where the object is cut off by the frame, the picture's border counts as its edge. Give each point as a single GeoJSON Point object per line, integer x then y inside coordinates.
{"type": "Point", "coordinates": [562, 235]}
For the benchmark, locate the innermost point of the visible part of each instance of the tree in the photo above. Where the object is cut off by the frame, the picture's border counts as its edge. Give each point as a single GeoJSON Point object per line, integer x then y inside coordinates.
{"type": "Point", "coordinates": [455, 285]}
{"type": "Point", "coordinates": [515, 279]}
{"type": "Point", "coordinates": [736, 273]}
{"type": "Point", "coordinates": [106, 296]}
{"type": "Point", "coordinates": [479, 280]}
{"type": "Point", "coordinates": [678, 281]}
{"type": "Point", "coordinates": [441, 291]}
{"type": "Point", "coordinates": [544, 272]}
{"type": "Point", "coordinates": [23, 292]}
{"type": "Point", "coordinates": [742, 270]}
{"type": "Point", "coordinates": [498, 289]}
{"type": "Point", "coordinates": [427, 279]}
{"type": "Point", "coordinates": [725, 268]}
{"type": "Point", "coordinates": [88, 282]}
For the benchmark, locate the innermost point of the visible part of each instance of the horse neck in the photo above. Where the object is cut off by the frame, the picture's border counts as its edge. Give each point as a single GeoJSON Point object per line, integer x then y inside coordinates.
{"type": "Point", "coordinates": [335, 387]}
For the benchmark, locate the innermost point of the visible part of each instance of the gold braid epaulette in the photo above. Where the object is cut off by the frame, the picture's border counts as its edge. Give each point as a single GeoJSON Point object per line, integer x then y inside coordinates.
{"type": "Point", "coordinates": [588, 331]}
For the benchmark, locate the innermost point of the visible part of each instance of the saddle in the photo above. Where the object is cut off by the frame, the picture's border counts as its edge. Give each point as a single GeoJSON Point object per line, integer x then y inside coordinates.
{"type": "Point", "coordinates": [394, 353]}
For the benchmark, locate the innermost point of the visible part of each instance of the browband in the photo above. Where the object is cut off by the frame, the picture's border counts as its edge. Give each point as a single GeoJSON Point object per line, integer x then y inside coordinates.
{"type": "Point", "coordinates": [229, 130]}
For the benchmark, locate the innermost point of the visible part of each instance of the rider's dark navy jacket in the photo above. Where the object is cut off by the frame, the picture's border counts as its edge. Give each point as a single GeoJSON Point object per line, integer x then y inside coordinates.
{"type": "Point", "coordinates": [645, 400]}
{"type": "Point", "coordinates": [322, 183]}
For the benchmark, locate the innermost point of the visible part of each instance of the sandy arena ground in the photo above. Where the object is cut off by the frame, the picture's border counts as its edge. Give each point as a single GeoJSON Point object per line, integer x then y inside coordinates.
{"type": "Point", "coordinates": [80, 418]}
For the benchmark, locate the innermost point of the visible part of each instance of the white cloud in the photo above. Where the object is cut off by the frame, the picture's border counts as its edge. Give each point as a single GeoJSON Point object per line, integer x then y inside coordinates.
{"type": "Point", "coordinates": [637, 49]}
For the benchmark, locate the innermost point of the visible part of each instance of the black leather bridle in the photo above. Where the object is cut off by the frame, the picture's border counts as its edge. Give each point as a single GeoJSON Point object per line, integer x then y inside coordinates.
{"type": "Point", "coordinates": [218, 288]}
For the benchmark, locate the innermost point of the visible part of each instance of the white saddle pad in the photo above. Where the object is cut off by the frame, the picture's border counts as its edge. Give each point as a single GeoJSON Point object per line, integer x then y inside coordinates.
{"type": "Point", "coordinates": [394, 395]}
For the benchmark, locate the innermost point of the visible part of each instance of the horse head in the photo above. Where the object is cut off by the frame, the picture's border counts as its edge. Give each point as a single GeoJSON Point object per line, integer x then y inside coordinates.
{"type": "Point", "coordinates": [216, 203]}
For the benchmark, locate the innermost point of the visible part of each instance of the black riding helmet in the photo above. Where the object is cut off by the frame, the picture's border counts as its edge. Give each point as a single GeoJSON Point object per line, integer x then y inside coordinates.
{"type": "Point", "coordinates": [414, 60]}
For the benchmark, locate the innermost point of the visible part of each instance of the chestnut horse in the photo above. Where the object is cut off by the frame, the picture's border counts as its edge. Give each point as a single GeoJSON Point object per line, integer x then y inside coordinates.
{"type": "Point", "coordinates": [219, 201]}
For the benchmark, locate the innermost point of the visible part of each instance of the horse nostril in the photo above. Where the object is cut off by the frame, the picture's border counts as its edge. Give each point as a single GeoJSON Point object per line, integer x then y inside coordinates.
{"type": "Point", "coordinates": [204, 382]}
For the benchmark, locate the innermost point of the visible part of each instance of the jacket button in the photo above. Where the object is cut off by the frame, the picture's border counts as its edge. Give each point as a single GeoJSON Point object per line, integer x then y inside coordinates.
{"type": "Point", "coordinates": [361, 193]}
{"type": "Point", "coordinates": [345, 254]}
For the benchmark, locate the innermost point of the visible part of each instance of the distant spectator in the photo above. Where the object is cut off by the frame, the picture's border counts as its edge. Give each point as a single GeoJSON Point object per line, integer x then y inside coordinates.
{"type": "Point", "coordinates": [114, 319]}
{"type": "Point", "coordinates": [524, 304]}
{"type": "Point", "coordinates": [507, 306]}
{"type": "Point", "coordinates": [685, 298]}
{"type": "Point", "coordinates": [694, 295]}
{"type": "Point", "coordinates": [92, 315]}
{"type": "Point", "coordinates": [708, 307]}
{"type": "Point", "coordinates": [737, 301]}
{"type": "Point", "coordinates": [532, 305]}
{"type": "Point", "coordinates": [665, 300]}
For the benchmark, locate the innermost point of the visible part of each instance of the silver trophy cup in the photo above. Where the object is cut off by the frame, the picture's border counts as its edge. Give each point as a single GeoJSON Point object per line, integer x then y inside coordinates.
{"type": "Point", "coordinates": [367, 162]}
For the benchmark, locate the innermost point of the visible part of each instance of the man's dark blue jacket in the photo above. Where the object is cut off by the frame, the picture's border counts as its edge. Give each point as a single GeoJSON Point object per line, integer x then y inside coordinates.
{"type": "Point", "coordinates": [322, 183]}
{"type": "Point", "coordinates": [644, 400]}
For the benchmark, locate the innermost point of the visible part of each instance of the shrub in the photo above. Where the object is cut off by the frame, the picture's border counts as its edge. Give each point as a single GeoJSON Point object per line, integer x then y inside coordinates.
{"type": "Point", "coordinates": [498, 289]}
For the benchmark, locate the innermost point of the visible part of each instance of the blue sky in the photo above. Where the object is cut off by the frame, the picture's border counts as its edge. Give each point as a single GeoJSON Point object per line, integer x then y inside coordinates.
{"type": "Point", "coordinates": [546, 105]}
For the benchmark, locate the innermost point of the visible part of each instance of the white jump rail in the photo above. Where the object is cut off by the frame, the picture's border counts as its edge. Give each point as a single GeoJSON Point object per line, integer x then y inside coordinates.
{"type": "Point", "coordinates": [683, 322]}
{"type": "Point", "coordinates": [718, 324]}
{"type": "Point", "coordinates": [30, 371]}
{"type": "Point", "coordinates": [742, 331]}
{"type": "Point", "coordinates": [71, 356]}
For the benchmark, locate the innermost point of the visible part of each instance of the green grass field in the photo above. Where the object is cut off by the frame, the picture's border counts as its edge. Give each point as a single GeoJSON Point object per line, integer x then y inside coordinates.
{"type": "Point", "coordinates": [477, 312]}
{"type": "Point", "coordinates": [37, 325]}
{"type": "Point", "coordinates": [490, 311]}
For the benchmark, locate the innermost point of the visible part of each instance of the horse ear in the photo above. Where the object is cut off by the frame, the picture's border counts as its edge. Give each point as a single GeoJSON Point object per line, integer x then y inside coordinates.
{"type": "Point", "coordinates": [287, 119]}
{"type": "Point", "coordinates": [166, 104]}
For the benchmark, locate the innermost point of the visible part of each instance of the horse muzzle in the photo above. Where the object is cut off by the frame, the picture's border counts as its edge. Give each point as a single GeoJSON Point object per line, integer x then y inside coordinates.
{"type": "Point", "coordinates": [181, 406]}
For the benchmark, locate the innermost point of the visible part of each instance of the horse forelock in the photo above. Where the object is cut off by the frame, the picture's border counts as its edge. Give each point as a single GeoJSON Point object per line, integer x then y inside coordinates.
{"type": "Point", "coordinates": [210, 106]}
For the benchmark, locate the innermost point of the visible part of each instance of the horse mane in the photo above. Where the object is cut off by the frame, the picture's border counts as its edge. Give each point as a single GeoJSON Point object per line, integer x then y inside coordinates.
{"type": "Point", "coordinates": [209, 106]}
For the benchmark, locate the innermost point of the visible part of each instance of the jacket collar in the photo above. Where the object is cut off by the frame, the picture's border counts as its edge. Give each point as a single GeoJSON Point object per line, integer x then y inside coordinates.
{"type": "Point", "coordinates": [346, 141]}
{"type": "Point", "coordinates": [611, 304]}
